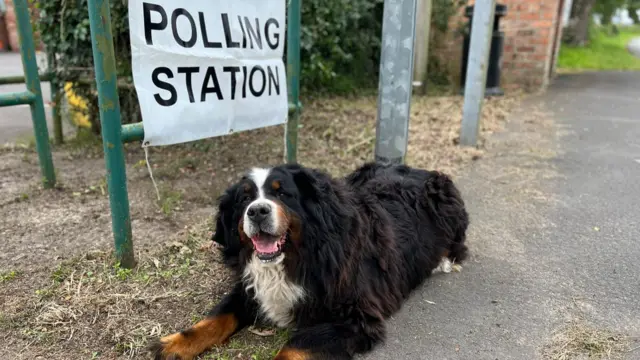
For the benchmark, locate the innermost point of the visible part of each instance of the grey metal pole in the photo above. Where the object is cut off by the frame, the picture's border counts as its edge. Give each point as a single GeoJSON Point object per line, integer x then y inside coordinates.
{"type": "Point", "coordinates": [421, 51]}
{"type": "Point", "coordinates": [395, 84]}
{"type": "Point", "coordinates": [480, 43]}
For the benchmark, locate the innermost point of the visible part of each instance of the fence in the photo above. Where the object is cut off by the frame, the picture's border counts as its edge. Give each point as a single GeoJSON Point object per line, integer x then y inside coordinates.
{"type": "Point", "coordinates": [33, 95]}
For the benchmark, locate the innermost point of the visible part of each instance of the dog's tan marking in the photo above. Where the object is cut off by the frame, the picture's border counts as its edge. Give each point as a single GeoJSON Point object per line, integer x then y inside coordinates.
{"type": "Point", "coordinates": [288, 353]}
{"type": "Point", "coordinates": [188, 344]}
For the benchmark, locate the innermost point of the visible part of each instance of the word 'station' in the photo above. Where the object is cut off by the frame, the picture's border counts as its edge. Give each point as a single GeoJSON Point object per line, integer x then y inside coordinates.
{"type": "Point", "coordinates": [207, 68]}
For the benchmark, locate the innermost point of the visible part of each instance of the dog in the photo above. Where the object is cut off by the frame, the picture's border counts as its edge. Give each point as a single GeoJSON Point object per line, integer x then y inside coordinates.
{"type": "Point", "coordinates": [332, 258]}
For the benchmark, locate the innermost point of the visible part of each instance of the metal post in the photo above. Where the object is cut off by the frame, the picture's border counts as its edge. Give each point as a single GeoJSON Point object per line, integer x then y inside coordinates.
{"type": "Point", "coordinates": [56, 98]}
{"type": "Point", "coordinates": [32, 78]}
{"type": "Point", "coordinates": [481, 31]}
{"type": "Point", "coordinates": [396, 70]}
{"type": "Point", "coordinates": [55, 101]}
{"type": "Point", "coordinates": [109, 103]}
{"type": "Point", "coordinates": [421, 51]}
{"type": "Point", "coordinates": [20, 79]}
{"type": "Point", "coordinates": [293, 79]}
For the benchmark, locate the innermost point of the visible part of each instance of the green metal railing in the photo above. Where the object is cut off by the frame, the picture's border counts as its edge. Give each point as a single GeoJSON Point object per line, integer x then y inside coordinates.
{"type": "Point", "coordinates": [293, 78]}
{"type": "Point", "coordinates": [33, 95]}
{"type": "Point", "coordinates": [114, 134]}
{"type": "Point", "coordinates": [109, 104]}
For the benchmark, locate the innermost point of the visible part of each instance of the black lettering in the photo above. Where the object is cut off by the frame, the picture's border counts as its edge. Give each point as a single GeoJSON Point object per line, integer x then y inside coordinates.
{"type": "Point", "coordinates": [251, 82]}
{"type": "Point", "coordinates": [276, 35]}
{"type": "Point", "coordinates": [254, 34]}
{"type": "Point", "coordinates": [148, 25]}
{"type": "Point", "coordinates": [205, 37]}
{"type": "Point", "coordinates": [233, 70]}
{"type": "Point", "coordinates": [244, 33]}
{"type": "Point", "coordinates": [164, 85]}
{"type": "Point", "coordinates": [244, 82]}
{"type": "Point", "coordinates": [274, 80]}
{"type": "Point", "coordinates": [188, 71]}
{"type": "Point", "coordinates": [211, 74]}
{"type": "Point", "coordinates": [227, 32]}
{"type": "Point", "coordinates": [174, 26]}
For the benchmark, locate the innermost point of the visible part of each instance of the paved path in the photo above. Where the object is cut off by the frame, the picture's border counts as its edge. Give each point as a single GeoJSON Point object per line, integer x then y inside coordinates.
{"type": "Point", "coordinates": [15, 121]}
{"type": "Point", "coordinates": [634, 46]}
{"type": "Point", "coordinates": [555, 233]}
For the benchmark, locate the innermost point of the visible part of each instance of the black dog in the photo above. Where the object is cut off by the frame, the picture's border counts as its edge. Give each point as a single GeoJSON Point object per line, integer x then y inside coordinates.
{"type": "Point", "coordinates": [332, 258]}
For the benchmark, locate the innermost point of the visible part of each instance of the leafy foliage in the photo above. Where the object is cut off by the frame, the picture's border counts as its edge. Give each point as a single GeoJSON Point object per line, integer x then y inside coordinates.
{"type": "Point", "coordinates": [65, 31]}
{"type": "Point", "coordinates": [340, 43]}
{"type": "Point", "coordinates": [633, 6]}
{"type": "Point", "coordinates": [607, 9]}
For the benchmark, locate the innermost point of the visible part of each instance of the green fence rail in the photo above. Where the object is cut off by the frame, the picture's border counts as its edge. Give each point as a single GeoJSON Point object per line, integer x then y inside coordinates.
{"type": "Point", "coordinates": [293, 78]}
{"type": "Point", "coordinates": [21, 79]}
{"type": "Point", "coordinates": [109, 104]}
{"type": "Point", "coordinates": [114, 134]}
{"type": "Point", "coordinates": [33, 95]}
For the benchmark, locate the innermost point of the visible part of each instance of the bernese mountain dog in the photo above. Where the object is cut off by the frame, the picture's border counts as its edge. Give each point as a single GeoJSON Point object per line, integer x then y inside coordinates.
{"type": "Point", "coordinates": [331, 258]}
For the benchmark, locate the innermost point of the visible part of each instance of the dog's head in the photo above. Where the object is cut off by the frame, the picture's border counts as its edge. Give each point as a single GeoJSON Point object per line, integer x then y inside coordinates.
{"type": "Point", "coordinates": [263, 212]}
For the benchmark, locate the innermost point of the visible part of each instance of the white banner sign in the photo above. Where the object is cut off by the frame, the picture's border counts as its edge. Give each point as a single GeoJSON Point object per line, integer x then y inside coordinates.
{"type": "Point", "coordinates": [207, 68]}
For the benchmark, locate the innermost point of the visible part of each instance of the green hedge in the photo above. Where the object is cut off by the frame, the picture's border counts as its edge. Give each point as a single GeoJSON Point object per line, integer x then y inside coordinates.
{"type": "Point", "coordinates": [340, 44]}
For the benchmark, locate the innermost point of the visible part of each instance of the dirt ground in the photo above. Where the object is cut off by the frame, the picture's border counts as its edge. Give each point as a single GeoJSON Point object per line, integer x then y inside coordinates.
{"type": "Point", "coordinates": [62, 296]}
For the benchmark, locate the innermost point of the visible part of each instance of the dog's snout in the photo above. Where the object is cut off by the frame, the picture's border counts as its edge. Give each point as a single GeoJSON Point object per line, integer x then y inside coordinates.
{"type": "Point", "coordinates": [258, 212]}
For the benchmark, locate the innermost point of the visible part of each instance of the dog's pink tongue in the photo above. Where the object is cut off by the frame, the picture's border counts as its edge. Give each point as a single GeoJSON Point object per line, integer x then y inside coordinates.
{"type": "Point", "coordinates": [264, 246]}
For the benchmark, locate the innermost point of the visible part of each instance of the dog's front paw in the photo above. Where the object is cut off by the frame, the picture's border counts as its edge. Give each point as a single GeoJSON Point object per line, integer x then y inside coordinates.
{"type": "Point", "coordinates": [172, 347]}
{"type": "Point", "coordinates": [187, 344]}
{"type": "Point", "coordinates": [288, 353]}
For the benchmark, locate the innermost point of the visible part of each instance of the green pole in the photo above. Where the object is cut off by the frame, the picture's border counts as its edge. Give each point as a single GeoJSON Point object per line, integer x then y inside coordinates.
{"type": "Point", "coordinates": [32, 78]}
{"type": "Point", "coordinates": [55, 101]}
{"type": "Point", "coordinates": [17, 98]}
{"type": "Point", "coordinates": [293, 78]}
{"type": "Point", "coordinates": [109, 103]}
{"type": "Point", "coordinates": [20, 79]}
{"type": "Point", "coordinates": [56, 98]}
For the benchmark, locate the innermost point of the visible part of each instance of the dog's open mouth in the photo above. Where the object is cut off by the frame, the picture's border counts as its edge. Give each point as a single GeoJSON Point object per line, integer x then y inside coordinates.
{"type": "Point", "coordinates": [268, 247]}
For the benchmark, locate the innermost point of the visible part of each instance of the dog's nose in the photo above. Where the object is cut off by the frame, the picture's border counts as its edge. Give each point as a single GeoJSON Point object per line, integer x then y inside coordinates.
{"type": "Point", "coordinates": [258, 212]}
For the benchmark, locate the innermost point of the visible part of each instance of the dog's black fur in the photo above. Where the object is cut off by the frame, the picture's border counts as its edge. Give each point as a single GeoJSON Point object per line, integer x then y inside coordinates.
{"type": "Point", "coordinates": [357, 245]}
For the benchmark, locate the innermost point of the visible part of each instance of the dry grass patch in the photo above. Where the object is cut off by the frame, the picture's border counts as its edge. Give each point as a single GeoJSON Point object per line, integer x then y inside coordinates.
{"type": "Point", "coordinates": [89, 305]}
{"type": "Point", "coordinates": [581, 340]}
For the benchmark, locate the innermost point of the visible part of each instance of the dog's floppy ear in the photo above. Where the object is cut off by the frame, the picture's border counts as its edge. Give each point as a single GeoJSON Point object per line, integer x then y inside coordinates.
{"type": "Point", "coordinates": [224, 228]}
{"type": "Point", "coordinates": [309, 182]}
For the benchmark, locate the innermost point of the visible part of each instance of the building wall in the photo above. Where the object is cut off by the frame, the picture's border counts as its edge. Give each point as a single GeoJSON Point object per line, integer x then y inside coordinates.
{"type": "Point", "coordinates": [530, 30]}
{"type": "Point", "coordinates": [10, 19]}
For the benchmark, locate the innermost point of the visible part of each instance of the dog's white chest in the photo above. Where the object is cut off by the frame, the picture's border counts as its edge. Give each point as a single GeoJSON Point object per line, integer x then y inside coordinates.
{"type": "Point", "coordinates": [274, 293]}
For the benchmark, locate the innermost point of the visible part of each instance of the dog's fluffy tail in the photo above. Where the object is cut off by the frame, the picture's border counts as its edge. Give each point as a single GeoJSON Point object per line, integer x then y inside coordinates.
{"type": "Point", "coordinates": [447, 208]}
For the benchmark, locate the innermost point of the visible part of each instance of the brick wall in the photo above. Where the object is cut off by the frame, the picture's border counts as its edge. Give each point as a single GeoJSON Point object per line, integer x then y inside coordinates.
{"type": "Point", "coordinates": [530, 30]}
{"type": "Point", "coordinates": [530, 46]}
{"type": "Point", "coordinates": [10, 19]}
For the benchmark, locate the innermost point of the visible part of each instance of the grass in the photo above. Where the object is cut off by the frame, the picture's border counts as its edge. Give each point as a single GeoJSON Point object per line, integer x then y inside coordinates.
{"type": "Point", "coordinates": [92, 300]}
{"type": "Point", "coordinates": [604, 52]}
{"type": "Point", "coordinates": [581, 340]}
{"type": "Point", "coordinates": [169, 200]}
{"type": "Point", "coordinates": [8, 275]}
